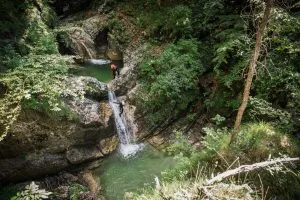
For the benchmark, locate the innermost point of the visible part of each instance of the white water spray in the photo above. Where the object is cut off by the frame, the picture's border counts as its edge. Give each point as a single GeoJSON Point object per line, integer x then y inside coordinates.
{"type": "Point", "coordinates": [127, 148]}
{"type": "Point", "coordinates": [99, 61]}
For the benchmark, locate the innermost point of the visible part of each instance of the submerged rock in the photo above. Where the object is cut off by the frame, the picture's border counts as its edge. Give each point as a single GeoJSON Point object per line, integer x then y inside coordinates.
{"type": "Point", "coordinates": [60, 143]}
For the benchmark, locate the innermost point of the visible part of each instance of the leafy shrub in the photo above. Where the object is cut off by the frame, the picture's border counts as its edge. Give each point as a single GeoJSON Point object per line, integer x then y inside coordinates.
{"type": "Point", "coordinates": [167, 23]}
{"type": "Point", "coordinates": [32, 192]}
{"type": "Point", "coordinates": [185, 155]}
{"type": "Point", "coordinates": [37, 82]}
{"type": "Point", "coordinates": [33, 72]}
{"type": "Point", "coordinates": [75, 189]}
{"type": "Point", "coordinates": [259, 109]}
{"type": "Point", "coordinates": [218, 119]}
{"type": "Point", "coordinates": [215, 140]}
{"type": "Point", "coordinates": [118, 34]}
{"type": "Point", "coordinates": [180, 146]}
{"type": "Point", "coordinates": [169, 82]}
{"type": "Point", "coordinates": [281, 86]}
{"type": "Point", "coordinates": [255, 143]}
{"type": "Point", "coordinates": [37, 37]}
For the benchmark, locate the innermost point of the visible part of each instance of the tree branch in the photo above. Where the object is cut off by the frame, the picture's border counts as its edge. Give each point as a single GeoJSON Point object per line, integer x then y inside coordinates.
{"type": "Point", "coordinates": [248, 168]}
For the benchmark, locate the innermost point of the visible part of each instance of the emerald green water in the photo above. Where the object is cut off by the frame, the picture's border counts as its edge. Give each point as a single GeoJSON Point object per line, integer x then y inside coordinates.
{"type": "Point", "coordinates": [100, 72]}
{"type": "Point", "coordinates": [118, 175]}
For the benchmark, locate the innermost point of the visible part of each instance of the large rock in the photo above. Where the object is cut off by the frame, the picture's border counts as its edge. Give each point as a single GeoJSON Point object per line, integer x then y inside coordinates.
{"type": "Point", "coordinates": [126, 87]}
{"type": "Point", "coordinates": [80, 38]}
{"type": "Point", "coordinates": [127, 80]}
{"type": "Point", "coordinates": [76, 41]}
{"type": "Point", "coordinates": [78, 155]}
{"type": "Point", "coordinates": [60, 143]}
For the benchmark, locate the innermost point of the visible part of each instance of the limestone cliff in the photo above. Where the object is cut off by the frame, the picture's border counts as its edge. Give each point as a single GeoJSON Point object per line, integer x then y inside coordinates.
{"type": "Point", "coordinates": [39, 145]}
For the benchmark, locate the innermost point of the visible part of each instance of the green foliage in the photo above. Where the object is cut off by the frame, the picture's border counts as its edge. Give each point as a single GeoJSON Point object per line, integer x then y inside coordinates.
{"type": "Point", "coordinates": [167, 22]}
{"type": "Point", "coordinates": [12, 19]}
{"type": "Point", "coordinates": [75, 189]}
{"type": "Point", "coordinates": [231, 59]}
{"type": "Point", "coordinates": [185, 155]}
{"type": "Point", "coordinates": [118, 33]}
{"type": "Point", "coordinates": [169, 82]}
{"type": "Point", "coordinates": [215, 140]}
{"type": "Point", "coordinates": [32, 72]}
{"type": "Point", "coordinates": [180, 146]}
{"type": "Point", "coordinates": [38, 79]}
{"type": "Point", "coordinates": [258, 141]}
{"type": "Point", "coordinates": [218, 119]}
{"type": "Point", "coordinates": [259, 109]}
{"type": "Point", "coordinates": [255, 142]}
{"type": "Point", "coordinates": [278, 79]}
{"type": "Point", "coordinates": [32, 192]}
{"type": "Point", "coordinates": [37, 39]}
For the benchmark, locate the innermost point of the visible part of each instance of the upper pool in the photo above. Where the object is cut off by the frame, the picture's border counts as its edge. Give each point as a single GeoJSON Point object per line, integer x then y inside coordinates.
{"type": "Point", "coordinates": [101, 72]}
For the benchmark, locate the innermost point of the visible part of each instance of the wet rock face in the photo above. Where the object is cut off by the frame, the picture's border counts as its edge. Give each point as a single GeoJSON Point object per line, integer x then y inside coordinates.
{"type": "Point", "coordinates": [78, 155]}
{"type": "Point", "coordinates": [127, 81]}
{"type": "Point", "coordinates": [76, 41]}
{"type": "Point", "coordinates": [87, 38]}
{"type": "Point", "coordinates": [60, 143]}
{"type": "Point", "coordinates": [126, 87]}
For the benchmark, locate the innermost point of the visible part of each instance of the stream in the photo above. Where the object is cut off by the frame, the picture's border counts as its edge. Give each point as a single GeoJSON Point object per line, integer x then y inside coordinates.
{"type": "Point", "coordinates": [133, 166]}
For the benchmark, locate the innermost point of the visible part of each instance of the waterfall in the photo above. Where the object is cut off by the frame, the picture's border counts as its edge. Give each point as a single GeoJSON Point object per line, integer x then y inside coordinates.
{"type": "Point", "coordinates": [87, 51]}
{"type": "Point", "coordinates": [127, 147]}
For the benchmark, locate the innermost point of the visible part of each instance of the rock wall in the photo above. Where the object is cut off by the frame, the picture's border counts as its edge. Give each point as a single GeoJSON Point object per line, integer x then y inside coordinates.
{"type": "Point", "coordinates": [39, 145]}
{"type": "Point", "coordinates": [126, 87]}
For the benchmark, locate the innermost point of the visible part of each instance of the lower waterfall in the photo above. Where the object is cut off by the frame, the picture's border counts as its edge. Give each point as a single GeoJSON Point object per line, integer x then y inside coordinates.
{"type": "Point", "coordinates": [127, 147]}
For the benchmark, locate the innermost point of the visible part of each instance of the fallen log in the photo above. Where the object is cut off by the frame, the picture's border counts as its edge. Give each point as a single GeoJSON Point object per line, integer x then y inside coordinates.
{"type": "Point", "coordinates": [248, 168]}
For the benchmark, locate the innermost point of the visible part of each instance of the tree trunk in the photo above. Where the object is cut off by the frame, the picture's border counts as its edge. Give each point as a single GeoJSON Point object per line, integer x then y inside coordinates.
{"type": "Point", "coordinates": [252, 66]}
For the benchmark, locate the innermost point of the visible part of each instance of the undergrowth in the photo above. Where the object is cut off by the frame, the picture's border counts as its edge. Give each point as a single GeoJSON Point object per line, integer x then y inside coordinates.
{"type": "Point", "coordinates": [256, 142]}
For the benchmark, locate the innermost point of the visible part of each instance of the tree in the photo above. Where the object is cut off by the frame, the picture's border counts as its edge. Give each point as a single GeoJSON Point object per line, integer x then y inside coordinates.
{"type": "Point", "coordinates": [252, 66]}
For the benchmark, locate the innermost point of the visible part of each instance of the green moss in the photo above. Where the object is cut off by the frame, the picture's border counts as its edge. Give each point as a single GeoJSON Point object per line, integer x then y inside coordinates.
{"type": "Point", "coordinates": [75, 189]}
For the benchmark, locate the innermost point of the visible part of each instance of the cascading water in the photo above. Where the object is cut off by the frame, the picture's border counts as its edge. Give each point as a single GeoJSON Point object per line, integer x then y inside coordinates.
{"type": "Point", "coordinates": [86, 50]}
{"type": "Point", "coordinates": [99, 61]}
{"type": "Point", "coordinates": [127, 148]}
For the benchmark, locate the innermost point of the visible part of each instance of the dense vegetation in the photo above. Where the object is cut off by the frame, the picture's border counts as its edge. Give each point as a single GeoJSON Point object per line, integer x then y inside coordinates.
{"type": "Point", "coordinates": [208, 77]}
{"type": "Point", "coordinates": [31, 69]}
{"type": "Point", "coordinates": [204, 51]}
{"type": "Point", "coordinates": [225, 35]}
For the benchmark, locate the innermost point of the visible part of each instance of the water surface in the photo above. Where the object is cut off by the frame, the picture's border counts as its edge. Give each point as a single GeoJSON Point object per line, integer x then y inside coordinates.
{"type": "Point", "coordinates": [118, 175]}
{"type": "Point", "coordinates": [101, 72]}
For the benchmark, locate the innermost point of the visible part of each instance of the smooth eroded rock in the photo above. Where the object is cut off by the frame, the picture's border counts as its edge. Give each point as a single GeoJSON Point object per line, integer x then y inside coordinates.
{"type": "Point", "coordinates": [78, 155]}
